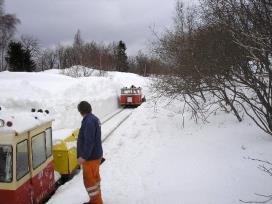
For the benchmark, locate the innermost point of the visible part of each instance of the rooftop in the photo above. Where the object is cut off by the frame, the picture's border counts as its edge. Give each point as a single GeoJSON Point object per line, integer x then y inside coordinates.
{"type": "Point", "coordinates": [12, 121]}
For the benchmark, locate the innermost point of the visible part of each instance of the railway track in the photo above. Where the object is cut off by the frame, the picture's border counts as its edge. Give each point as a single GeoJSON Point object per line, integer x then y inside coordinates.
{"type": "Point", "coordinates": [108, 118]}
{"type": "Point", "coordinates": [114, 122]}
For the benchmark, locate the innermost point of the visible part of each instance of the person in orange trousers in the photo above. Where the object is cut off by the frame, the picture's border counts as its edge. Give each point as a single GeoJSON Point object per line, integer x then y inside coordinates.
{"type": "Point", "coordinates": [91, 179]}
{"type": "Point", "coordinates": [90, 152]}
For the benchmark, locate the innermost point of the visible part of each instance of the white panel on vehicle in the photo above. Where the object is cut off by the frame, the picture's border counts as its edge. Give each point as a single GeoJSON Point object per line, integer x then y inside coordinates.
{"type": "Point", "coordinates": [129, 99]}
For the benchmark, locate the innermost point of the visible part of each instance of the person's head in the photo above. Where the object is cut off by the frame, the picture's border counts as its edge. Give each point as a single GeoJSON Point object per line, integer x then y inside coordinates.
{"type": "Point", "coordinates": [84, 108]}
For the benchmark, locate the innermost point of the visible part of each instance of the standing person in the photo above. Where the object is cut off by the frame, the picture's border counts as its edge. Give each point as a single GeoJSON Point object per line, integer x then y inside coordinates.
{"type": "Point", "coordinates": [90, 152]}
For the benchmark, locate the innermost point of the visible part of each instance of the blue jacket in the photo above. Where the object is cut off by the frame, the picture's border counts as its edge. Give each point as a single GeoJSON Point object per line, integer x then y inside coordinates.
{"type": "Point", "coordinates": [89, 144]}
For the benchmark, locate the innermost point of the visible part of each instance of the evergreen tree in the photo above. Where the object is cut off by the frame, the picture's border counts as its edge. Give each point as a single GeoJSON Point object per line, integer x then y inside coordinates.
{"type": "Point", "coordinates": [121, 57]}
{"type": "Point", "coordinates": [19, 59]}
{"type": "Point", "coordinates": [78, 41]}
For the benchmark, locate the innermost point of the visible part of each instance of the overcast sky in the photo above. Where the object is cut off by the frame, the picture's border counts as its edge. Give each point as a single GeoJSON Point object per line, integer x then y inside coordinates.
{"type": "Point", "coordinates": [56, 21]}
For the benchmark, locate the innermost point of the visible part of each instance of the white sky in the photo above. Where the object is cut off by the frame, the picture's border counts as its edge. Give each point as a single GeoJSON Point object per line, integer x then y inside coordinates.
{"type": "Point", "coordinates": [56, 21]}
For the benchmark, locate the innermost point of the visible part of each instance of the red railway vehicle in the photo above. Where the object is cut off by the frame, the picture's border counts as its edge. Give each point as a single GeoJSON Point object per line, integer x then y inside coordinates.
{"type": "Point", "coordinates": [131, 96]}
{"type": "Point", "coordinates": [26, 170]}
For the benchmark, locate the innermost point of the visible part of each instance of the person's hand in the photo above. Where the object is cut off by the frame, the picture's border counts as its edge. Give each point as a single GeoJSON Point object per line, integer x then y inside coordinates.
{"type": "Point", "coordinates": [80, 161]}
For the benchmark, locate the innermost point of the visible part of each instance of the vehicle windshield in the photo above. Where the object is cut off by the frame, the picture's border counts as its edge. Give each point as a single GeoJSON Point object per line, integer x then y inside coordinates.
{"type": "Point", "coordinates": [5, 163]}
{"type": "Point", "coordinates": [131, 91]}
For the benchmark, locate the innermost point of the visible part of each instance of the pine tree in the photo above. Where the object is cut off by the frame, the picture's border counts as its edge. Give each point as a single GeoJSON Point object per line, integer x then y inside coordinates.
{"type": "Point", "coordinates": [78, 42]}
{"type": "Point", "coordinates": [18, 59]}
{"type": "Point", "coordinates": [121, 57]}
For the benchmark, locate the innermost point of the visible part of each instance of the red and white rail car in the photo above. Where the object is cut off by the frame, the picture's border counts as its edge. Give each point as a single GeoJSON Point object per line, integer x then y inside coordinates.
{"type": "Point", "coordinates": [26, 161]}
{"type": "Point", "coordinates": [131, 96]}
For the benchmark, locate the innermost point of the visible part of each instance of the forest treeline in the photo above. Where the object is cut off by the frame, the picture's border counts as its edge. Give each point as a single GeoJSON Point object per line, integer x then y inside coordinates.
{"type": "Point", "coordinates": [26, 54]}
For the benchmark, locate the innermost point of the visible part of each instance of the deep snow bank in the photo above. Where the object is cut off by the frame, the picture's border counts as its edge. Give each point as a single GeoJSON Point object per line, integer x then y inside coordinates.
{"type": "Point", "coordinates": [60, 94]}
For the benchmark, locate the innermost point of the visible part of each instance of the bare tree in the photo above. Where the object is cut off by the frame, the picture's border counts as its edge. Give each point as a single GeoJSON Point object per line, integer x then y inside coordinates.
{"type": "Point", "coordinates": [226, 56]}
{"type": "Point", "coordinates": [31, 44]}
{"type": "Point", "coordinates": [250, 24]}
{"type": "Point", "coordinates": [47, 60]}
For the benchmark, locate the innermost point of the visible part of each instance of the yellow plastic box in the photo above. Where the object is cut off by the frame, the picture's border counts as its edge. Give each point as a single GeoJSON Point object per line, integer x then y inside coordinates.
{"type": "Point", "coordinates": [65, 156]}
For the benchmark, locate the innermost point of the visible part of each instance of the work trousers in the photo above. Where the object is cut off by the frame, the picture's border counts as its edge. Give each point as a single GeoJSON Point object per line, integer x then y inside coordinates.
{"type": "Point", "coordinates": [91, 178]}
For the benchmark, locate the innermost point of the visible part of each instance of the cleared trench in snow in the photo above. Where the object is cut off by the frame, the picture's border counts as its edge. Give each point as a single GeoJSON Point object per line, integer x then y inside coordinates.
{"type": "Point", "coordinates": [109, 124]}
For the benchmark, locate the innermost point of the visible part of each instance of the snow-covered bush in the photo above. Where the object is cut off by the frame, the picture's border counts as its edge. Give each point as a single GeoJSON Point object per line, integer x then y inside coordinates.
{"type": "Point", "coordinates": [81, 71]}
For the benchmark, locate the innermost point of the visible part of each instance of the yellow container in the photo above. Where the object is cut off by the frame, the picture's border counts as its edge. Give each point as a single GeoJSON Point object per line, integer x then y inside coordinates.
{"type": "Point", "coordinates": [71, 138]}
{"type": "Point", "coordinates": [65, 156]}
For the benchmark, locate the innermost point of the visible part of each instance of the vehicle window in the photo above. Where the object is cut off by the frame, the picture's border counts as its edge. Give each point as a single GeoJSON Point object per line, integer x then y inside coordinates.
{"type": "Point", "coordinates": [6, 163]}
{"type": "Point", "coordinates": [128, 91]}
{"type": "Point", "coordinates": [38, 150]}
{"type": "Point", "coordinates": [48, 135]}
{"type": "Point", "coordinates": [22, 162]}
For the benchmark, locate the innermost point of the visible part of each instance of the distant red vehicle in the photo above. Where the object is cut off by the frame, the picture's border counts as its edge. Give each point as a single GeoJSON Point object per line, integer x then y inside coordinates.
{"type": "Point", "coordinates": [131, 96]}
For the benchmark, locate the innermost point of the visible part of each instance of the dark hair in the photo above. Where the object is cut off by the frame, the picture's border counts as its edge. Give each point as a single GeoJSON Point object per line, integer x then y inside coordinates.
{"type": "Point", "coordinates": [84, 107]}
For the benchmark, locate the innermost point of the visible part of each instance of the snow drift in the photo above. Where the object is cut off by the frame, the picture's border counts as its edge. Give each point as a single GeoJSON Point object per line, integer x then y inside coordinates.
{"type": "Point", "coordinates": [60, 94]}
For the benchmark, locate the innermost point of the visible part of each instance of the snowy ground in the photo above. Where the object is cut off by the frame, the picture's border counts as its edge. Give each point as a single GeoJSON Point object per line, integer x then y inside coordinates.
{"type": "Point", "coordinates": [151, 159]}
{"type": "Point", "coordinates": [154, 160]}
